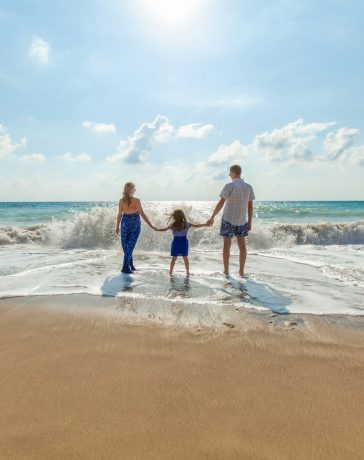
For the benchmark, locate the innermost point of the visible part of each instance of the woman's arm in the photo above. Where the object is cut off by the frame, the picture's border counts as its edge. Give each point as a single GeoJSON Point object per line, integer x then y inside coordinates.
{"type": "Point", "coordinates": [142, 213]}
{"type": "Point", "coordinates": [120, 213]}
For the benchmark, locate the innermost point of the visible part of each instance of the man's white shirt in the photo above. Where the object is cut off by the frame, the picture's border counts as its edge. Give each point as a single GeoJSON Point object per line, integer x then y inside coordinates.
{"type": "Point", "coordinates": [237, 195]}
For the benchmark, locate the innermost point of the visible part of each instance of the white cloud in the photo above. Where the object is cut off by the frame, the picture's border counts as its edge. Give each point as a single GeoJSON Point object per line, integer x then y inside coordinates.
{"type": "Point", "coordinates": [337, 143]}
{"type": "Point", "coordinates": [82, 157]}
{"type": "Point", "coordinates": [291, 142]}
{"type": "Point", "coordinates": [195, 130]}
{"type": "Point", "coordinates": [99, 128]}
{"type": "Point", "coordinates": [7, 146]}
{"type": "Point", "coordinates": [164, 132]}
{"type": "Point", "coordinates": [233, 152]}
{"type": "Point", "coordinates": [356, 156]}
{"type": "Point", "coordinates": [198, 170]}
{"type": "Point", "coordinates": [39, 51]}
{"type": "Point", "coordinates": [33, 158]}
{"type": "Point", "coordinates": [138, 146]}
{"type": "Point", "coordinates": [220, 175]}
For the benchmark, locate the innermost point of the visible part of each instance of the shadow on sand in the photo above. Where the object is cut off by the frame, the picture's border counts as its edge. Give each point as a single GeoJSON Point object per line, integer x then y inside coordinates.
{"type": "Point", "coordinates": [247, 291]}
{"type": "Point", "coordinates": [115, 284]}
{"type": "Point", "coordinates": [257, 294]}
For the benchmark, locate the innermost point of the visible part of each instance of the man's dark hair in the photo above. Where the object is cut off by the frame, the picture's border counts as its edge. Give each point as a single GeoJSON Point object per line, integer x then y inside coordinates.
{"type": "Point", "coordinates": [236, 169]}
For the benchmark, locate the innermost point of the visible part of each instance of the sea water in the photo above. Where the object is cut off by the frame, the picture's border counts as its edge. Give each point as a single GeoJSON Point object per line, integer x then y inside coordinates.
{"type": "Point", "coordinates": [303, 257]}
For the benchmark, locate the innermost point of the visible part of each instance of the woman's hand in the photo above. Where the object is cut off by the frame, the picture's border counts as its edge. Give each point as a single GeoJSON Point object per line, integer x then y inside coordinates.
{"type": "Point", "coordinates": [117, 231]}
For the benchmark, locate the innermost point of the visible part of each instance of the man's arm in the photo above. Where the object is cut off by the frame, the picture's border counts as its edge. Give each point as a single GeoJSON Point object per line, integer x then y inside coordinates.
{"type": "Point", "coordinates": [250, 214]}
{"type": "Point", "coordinates": [217, 209]}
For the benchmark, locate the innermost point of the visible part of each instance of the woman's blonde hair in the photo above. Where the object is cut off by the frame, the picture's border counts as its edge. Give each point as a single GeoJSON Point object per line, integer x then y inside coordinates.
{"type": "Point", "coordinates": [178, 218]}
{"type": "Point", "coordinates": [128, 187]}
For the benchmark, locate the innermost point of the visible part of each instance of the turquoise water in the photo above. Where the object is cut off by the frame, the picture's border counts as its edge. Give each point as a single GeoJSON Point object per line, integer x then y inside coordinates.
{"type": "Point", "coordinates": [303, 257]}
{"type": "Point", "coordinates": [24, 214]}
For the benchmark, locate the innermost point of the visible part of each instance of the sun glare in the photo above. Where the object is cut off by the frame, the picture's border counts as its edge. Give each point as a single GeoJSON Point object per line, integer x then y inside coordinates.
{"type": "Point", "coordinates": [173, 13]}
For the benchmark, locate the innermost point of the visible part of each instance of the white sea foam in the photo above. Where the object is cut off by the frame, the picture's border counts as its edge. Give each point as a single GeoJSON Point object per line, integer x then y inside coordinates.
{"type": "Point", "coordinates": [95, 228]}
{"type": "Point", "coordinates": [299, 268]}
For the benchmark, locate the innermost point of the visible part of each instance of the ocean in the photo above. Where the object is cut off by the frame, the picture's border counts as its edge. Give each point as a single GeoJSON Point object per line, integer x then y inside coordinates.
{"type": "Point", "coordinates": [303, 257]}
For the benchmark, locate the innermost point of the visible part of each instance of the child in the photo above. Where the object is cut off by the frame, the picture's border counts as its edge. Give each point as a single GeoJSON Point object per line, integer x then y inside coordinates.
{"type": "Point", "coordinates": [179, 227]}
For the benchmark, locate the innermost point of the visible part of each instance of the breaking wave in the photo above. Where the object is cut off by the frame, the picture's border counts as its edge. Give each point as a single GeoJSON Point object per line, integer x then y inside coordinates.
{"type": "Point", "coordinates": [95, 228]}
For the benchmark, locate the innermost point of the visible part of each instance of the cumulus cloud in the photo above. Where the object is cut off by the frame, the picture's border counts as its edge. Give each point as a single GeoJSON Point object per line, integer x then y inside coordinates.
{"type": "Point", "coordinates": [7, 146]}
{"type": "Point", "coordinates": [39, 51]}
{"type": "Point", "coordinates": [220, 175]}
{"type": "Point", "coordinates": [195, 130]}
{"type": "Point", "coordinates": [99, 128]}
{"type": "Point", "coordinates": [33, 158]}
{"type": "Point", "coordinates": [81, 158]}
{"type": "Point", "coordinates": [138, 146]}
{"type": "Point", "coordinates": [229, 153]}
{"type": "Point", "coordinates": [291, 142]}
{"type": "Point", "coordinates": [164, 132]}
{"type": "Point", "coordinates": [356, 156]}
{"type": "Point", "coordinates": [337, 143]}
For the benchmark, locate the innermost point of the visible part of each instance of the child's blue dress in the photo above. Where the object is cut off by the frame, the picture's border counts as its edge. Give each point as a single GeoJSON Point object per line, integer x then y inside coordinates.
{"type": "Point", "coordinates": [180, 242]}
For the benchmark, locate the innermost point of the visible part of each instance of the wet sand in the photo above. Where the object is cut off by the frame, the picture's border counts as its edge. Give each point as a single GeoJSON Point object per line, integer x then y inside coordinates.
{"type": "Point", "coordinates": [84, 385]}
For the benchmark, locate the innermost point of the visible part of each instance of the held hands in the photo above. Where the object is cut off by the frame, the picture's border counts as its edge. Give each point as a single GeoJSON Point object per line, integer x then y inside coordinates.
{"type": "Point", "coordinates": [210, 222]}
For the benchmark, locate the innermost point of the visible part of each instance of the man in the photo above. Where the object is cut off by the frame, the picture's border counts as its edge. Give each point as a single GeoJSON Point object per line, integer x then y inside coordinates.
{"type": "Point", "coordinates": [238, 198]}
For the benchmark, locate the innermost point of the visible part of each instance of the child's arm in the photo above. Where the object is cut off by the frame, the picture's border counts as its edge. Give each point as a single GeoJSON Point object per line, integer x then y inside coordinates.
{"type": "Point", "coordinates": [199, 225]}
{"type": "Point", "coordinates": [162, 229]}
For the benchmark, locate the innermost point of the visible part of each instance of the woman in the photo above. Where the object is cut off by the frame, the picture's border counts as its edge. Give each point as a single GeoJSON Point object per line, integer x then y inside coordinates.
{"type": "Point", "coordinates": [130, 210]}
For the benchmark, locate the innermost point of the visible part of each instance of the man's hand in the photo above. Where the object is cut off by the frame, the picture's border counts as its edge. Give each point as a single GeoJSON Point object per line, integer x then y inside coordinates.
{"type": "Point", "coordinates": [249, 226]}
{"type": "Point", "coordinates": [210, 222]}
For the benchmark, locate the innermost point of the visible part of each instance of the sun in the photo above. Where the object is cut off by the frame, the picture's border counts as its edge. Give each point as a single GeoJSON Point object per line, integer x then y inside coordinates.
{"type": "Point", "coordinates": [173, 13]}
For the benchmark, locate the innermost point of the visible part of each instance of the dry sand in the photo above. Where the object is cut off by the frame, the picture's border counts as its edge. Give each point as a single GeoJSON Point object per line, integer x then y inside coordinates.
{"type": "Point", "coordinates": [87, 386]}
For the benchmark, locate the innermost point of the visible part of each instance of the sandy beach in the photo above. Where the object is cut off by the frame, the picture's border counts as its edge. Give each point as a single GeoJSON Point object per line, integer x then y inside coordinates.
{"type": "Point", "coordinates": [77, 385]}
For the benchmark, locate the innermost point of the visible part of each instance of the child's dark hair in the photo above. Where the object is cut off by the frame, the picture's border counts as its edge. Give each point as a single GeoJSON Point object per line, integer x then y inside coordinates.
{"type": "Point", "coordinates": [179, 221]}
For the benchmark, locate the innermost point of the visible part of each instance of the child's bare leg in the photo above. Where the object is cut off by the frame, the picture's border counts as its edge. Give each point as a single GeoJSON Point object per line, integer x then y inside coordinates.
{"type": "Point", "coordinates": [171, 267]}
{"type": "Point", "coordinates": [187, 264]}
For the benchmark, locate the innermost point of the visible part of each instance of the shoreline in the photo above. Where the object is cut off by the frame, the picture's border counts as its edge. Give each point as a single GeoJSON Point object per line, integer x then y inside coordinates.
{"type": "Point", "coordinates": [84, 384]}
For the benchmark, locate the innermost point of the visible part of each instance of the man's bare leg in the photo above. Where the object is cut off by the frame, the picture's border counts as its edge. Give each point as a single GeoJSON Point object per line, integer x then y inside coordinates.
{"type": "Point", "coordinates": [173, 261]}
{"type": "Point", "coordinates": [242, 254]}
{"type": "Point", "coordinates": [226, 254]}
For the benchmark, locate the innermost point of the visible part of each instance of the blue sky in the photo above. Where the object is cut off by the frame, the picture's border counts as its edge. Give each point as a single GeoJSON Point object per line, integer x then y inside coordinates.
{"type": "Point", "coordinates": [169, 93]}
